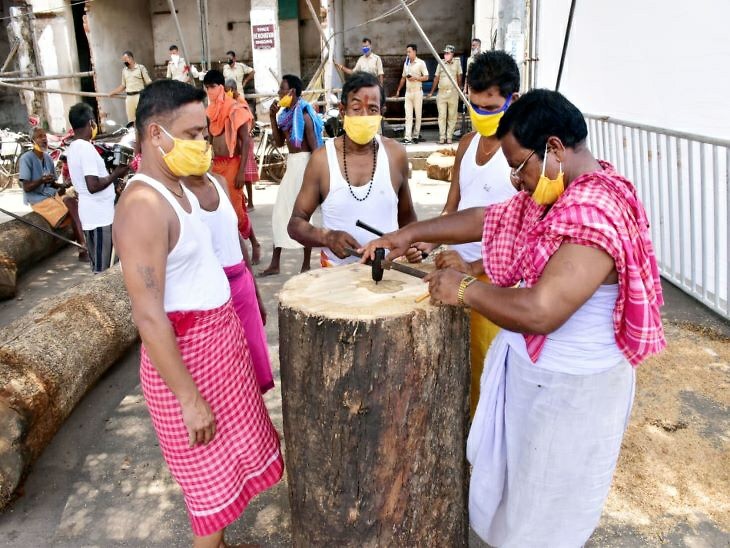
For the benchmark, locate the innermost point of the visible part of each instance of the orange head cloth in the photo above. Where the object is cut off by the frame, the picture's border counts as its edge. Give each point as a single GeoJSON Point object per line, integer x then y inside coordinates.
{"type": "Point", "coordinates": [226, 115]}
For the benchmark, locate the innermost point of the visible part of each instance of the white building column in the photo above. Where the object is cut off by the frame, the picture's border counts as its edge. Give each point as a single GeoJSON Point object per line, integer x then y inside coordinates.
{"type": "Point", "coordinates": [486, 21]}
{"type": "Point", "coordinates": [266, 49]}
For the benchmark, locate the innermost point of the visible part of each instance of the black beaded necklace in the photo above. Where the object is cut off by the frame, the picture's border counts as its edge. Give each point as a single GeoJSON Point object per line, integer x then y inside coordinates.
{"type": "Point", "coordinates": [372, 176]}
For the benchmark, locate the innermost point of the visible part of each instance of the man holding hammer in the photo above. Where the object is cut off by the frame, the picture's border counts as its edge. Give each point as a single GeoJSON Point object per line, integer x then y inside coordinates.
{"type": "Point", "coordinates": [359, 176]}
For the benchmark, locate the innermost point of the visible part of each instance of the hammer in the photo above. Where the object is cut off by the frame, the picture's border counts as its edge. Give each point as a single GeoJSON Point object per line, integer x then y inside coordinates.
{"type": "Point", "coordinates": [377, 232]}
{"type": "Point", "coordinates": [379, 265]}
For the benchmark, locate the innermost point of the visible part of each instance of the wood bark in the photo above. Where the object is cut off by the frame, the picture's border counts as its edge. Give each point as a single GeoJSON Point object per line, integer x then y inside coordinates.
{"type": "Point", "coordinates": [374, 390]}
{"type": "Point", "coordinates": [22, 246]}
{"type": "Point", "coordinates": [49, 359]}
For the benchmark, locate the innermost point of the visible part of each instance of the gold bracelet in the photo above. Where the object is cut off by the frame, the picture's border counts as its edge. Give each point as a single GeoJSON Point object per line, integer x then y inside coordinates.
{"type": "Point", "coordinates": [465, 282]}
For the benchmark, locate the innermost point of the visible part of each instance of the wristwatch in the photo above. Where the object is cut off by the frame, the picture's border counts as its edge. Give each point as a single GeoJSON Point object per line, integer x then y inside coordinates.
{"type": "Point", "coordinates": [465, 282]}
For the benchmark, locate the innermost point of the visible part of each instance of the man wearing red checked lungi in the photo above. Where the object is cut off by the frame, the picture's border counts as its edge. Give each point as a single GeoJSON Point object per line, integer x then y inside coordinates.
{"type": "Point", "coordinates": [196, 374]}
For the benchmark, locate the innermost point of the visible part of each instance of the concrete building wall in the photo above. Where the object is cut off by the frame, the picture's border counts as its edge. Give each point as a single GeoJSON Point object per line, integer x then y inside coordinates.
{"type": "Point", "coordinates": [57, 54]}
{"type": "Point", "coordinates": [443, 22]}
{"type": "Point", "coordinates": [114, 27]}
{"type": "Point", "coordinates": [229, 28]}
{"type": "Point", "coordinates": [12, 112]}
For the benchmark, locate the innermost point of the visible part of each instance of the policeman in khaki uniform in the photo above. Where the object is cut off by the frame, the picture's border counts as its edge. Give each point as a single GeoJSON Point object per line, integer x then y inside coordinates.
{"type": "Point", "coordinates": [447, 100]}
{"type": "Point", "coordinates": [415, 73]}
{"type": "Point", "coordinates": [134, 79]}
{"type": "Point", "coordinates": [368, 62]}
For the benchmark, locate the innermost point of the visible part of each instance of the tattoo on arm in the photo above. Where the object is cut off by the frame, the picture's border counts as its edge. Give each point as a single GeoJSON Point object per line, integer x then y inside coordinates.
{"type": "Point", "coordinates": [148, 276]}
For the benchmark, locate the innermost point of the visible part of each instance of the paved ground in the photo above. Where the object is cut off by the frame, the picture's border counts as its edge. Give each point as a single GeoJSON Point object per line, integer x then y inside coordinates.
{"type": "Point", "coordinates": [102, 482]}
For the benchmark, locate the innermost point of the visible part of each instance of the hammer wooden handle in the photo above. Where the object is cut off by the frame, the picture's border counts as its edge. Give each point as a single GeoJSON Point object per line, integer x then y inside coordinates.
{"type": "Point", "coordinates": [377, 232]}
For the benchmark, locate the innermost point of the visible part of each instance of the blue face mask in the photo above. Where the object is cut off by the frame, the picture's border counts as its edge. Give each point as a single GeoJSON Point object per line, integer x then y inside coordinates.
{"type": "Point", "coordinates": [365, 50]}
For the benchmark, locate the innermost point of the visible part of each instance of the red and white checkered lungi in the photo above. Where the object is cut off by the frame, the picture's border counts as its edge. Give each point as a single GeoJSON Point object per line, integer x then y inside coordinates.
{"type": "Point", "coordinates": [218, 479]}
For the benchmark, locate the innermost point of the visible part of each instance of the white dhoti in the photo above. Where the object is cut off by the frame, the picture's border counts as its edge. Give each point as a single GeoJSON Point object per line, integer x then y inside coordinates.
{"type": "Point", "coordinates": [289, 188]}
{"type": "Point", "coordinates": [544, 446]}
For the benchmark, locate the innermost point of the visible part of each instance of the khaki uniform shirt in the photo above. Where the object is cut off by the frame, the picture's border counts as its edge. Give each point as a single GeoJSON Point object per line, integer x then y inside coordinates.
{"type": "Point", "coordinates": [135, 79]}
{"type": "Point", "coordinates": [176, 71]}
{"type": "Point", "coordinates": [454, 68]}
{"type": "Point", "coordinates": [416, 68]}
{"type": "Point", "coordinates": [370, 63]}
{"type": "Point", "coordinates": [236, 72]}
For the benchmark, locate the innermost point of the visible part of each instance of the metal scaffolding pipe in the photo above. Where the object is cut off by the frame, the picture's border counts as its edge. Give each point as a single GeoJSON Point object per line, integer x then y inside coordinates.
{"type": "Point", "coordinates": [60, 91]}
{"type": "Point", "coordinates": [171, 3]}
{"type": "Point", "coordinates": [44, 78]}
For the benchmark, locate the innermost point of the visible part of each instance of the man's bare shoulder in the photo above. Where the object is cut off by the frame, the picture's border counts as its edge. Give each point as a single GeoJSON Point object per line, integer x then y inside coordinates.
{"type": "Point", "coordinates": [141, 207]}
{"type": "Point", "coordinates": [464, 143]}
{"type": "Point", "coordinates": [318, 159]}
{"type": "Point", "coordinates": [394, 148]}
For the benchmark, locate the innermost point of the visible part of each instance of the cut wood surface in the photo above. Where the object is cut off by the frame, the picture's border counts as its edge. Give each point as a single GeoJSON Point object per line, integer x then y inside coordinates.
{"type": "Point", "coordinates": [49, 359]}
{"type": "Point", "coordinates": [22, 246]}
{"type": "Point", "coordinates": [374, 389]}
{"type": "Point", "coordinates": [440, 164]}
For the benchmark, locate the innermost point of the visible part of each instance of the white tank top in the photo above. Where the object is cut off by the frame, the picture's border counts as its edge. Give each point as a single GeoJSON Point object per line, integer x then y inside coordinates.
{"type": "Point", "coordinates": [340, 210]}
{"type": "Point", "coordinates": [194, 279]}
{"type": "Point", "coordinates": [223, 226]}
{"type": "Point", "coordinates": [481, 186]}
{"type": "Point", "coordinates": [585, 344]}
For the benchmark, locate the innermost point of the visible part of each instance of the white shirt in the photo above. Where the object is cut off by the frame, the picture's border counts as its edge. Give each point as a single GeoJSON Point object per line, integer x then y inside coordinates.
{"type": "Point", "coordinates": [176, 70]}
{"type": "Point", "coordinates": [96, 209]}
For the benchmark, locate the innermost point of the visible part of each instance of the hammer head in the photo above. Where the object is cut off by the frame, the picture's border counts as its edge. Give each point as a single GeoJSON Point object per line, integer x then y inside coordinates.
{"type": "Point", "coordinates": [377, 264]}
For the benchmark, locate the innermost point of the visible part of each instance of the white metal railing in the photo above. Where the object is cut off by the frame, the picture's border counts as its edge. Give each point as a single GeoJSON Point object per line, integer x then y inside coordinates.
{"type": "Point", "coordinates": [683, 181]}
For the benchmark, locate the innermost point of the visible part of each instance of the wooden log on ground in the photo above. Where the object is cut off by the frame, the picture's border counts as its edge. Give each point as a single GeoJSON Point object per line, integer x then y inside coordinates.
{"type": "Point", "coordinates": [374, 389]}
{"type": "Point", "coordinates": [440, 164]}
{"type": "Point", "coordinates": [22, 246]}
{"type": "Point", "coordinates": [49, 358]}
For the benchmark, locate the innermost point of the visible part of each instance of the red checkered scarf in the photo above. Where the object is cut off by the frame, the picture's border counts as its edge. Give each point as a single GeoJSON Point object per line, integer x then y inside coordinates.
{"type": "Point", "coordinates": [600, 210]}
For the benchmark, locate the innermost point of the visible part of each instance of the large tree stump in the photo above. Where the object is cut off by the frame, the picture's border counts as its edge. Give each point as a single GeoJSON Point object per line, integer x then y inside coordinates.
{"type": "Point", "coordinates": [22, 246]}
{"type": "Point", "coordinates": [375, 399]}
{"type": "Point", "coordinates": [49, 358]}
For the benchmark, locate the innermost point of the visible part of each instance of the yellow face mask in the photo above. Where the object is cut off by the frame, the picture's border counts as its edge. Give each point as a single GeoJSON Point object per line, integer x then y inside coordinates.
{"type": "Point", "coordinates": [285, 102]}
{"type": "Point", "coordinates": [548, 190]}
{"type": "Point", "coordinates": [229, 93]}
{"type": "Point", "coordinates": [94, 131]}
{"type": "Point", "coordinates": [187, 156]}
{"type": "Point", "coordinates": [37, 147]}
{"type": "Point", "coordinates": [485, 122]}
{"type": "Point", "coordinates": [362, 129]}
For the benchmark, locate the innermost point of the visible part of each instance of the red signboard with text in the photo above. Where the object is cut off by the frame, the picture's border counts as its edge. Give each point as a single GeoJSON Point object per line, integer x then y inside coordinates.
{"type": "Point", "coordinates": [263, 36]}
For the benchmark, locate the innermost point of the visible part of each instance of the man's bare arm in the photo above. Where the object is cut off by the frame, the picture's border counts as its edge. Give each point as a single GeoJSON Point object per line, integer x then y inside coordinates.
{"type": "Point", "coordinates": [244, 142]}
{"type": "Point", "coordinates": [309, 198]}
{"type": "Point", "coordinates": [97, 184]}
{"type": "Point", "coordinates": [571, 276]}
{"type": "Point", "coordinates": [454, 197]}
{"type": "Point", "coordinates": [309, 135]}
{"type": "Point", "coordinates": [406, 211]}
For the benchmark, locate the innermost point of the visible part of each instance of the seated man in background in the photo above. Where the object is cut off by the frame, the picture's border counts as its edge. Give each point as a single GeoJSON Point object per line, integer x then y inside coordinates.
{"type": "Point", "coordinates": [44, 194]}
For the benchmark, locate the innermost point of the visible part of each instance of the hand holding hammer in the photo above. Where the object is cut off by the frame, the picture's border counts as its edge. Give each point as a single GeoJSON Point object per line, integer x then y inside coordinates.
{"type": "Point", "coordinates": [377, 232]}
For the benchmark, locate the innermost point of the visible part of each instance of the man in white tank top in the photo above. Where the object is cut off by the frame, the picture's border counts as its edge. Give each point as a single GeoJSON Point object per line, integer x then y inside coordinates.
{"type": "Point", "coordinates": [359, 176]}
{"type": "Point", "coordinates": [195, 370]}
{"type": "Point", "coordinates": [481, 177]}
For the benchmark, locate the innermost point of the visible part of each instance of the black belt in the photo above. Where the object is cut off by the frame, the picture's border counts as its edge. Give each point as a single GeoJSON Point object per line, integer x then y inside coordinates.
{"type": "Point", "coordinates": [133, 92]}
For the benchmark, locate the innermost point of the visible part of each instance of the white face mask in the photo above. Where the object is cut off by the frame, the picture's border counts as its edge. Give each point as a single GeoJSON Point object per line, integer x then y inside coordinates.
{"type": "Point", "coordinates": [174, 58]}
